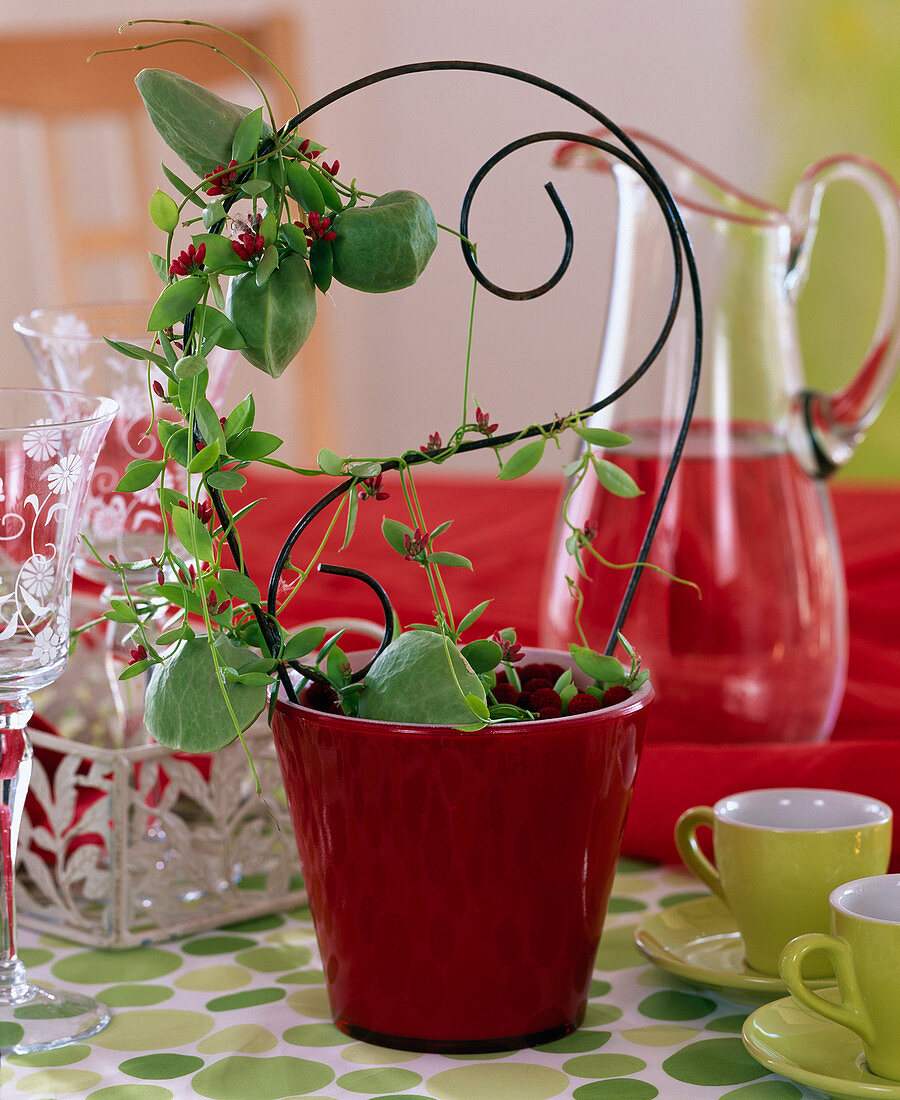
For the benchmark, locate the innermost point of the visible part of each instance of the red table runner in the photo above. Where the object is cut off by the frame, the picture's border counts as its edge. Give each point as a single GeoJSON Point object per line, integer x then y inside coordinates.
{"type": "Point", "coordinates": [506, 529]}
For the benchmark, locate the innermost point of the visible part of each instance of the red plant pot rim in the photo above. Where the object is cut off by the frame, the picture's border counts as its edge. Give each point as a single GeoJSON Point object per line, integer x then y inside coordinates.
{"type": "Point", "coordinates": [638, 701]}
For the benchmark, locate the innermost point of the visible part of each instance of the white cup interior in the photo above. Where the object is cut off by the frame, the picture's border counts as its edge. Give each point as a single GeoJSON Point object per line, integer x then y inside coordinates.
{"type": "Point", "coordinates": [801, 808]}
{"type": "Point", "coordinates": [876, 898]}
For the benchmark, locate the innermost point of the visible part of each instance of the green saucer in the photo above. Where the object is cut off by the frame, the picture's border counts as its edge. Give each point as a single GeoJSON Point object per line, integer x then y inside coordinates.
{"type": "Point", "coordinates": [789, 1039]}
{"type": "Point", "coordinates": [698, 942]}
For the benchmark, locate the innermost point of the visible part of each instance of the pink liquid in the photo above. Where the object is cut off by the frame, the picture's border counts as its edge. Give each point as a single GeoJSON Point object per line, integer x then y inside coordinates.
{"type": "Point", "coordinates": [762, 655]}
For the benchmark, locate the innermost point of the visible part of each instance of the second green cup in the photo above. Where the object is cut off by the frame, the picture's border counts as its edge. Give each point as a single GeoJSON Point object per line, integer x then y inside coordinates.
{"type": "Point", "coordinates": [779, 852]}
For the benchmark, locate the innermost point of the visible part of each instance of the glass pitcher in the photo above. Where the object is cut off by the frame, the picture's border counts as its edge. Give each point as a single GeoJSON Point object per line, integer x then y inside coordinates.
{"type": "Point", "coordinates": [760, 653]}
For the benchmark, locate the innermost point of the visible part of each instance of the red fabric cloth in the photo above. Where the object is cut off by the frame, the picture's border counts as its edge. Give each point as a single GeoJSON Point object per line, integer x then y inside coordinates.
{"type": "Point", "coordinates": [506, 531]}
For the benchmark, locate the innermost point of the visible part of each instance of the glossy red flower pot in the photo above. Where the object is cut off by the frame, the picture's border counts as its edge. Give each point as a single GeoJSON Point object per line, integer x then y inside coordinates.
{"type": "Point", "coordinates": [459, 881]}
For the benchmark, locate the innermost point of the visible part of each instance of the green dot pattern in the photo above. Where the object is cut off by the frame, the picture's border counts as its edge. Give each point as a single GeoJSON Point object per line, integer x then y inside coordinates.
{"type": "Point", "coordinates": [242, 1011]}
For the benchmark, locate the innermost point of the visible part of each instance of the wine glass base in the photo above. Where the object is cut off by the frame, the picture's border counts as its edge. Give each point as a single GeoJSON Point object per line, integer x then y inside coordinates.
{"type": "Point", "coordinates": [43, 1019]}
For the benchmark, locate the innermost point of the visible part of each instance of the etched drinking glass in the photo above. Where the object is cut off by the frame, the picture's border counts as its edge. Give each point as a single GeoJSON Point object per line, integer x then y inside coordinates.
{"type": "Point", "coordinates": [49, 442]}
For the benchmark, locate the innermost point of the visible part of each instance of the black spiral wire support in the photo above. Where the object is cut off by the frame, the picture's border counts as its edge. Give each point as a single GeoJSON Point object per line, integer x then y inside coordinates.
{"type": "Point", "coordinates": [682, 257]}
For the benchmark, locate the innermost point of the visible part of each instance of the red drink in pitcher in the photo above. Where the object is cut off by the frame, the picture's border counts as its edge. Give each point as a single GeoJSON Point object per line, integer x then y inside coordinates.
{"type": "Point", "coordinates": [759, 654]}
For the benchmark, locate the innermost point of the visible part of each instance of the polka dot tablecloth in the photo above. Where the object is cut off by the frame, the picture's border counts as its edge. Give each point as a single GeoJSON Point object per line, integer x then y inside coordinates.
{"type": "Point", "coordinates": [242, 1014]}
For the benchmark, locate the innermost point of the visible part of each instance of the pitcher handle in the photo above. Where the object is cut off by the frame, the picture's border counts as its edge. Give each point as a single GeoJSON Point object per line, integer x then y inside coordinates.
{"type": "Point", "coordinates": [836, 423]}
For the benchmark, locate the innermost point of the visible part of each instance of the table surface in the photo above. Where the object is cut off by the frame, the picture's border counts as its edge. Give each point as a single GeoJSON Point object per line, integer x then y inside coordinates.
{"type": "Point", "coordinates": [242, 1012]}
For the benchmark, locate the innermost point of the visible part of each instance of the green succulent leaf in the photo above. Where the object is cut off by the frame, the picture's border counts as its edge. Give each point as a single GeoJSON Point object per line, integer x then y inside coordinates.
{"type": "Point", "coordinates": [226, 480]}
{"type": "Point", "coordinates": [614, 479]}
{"type": "Point", "coordinates": [329, 462]}
{"type": "Point", "coordinates": [171, 713]}
{"type": "Point", "coordinates": [163, 211]}
{"type": "Point", "coordinates": [597, 665]}
{"type": "Point", "coordinates": [239, 585]}
{"type": "Point", "coordinates": [523, 461]}
{"type": "Point", "coordinates": [192, 534]}
{"type": "Point", "coordinates": [250, 445]}
{"type": "Point", "coordinates": [139, 474]}
{"type": "Point", "coordinates": [304, 642]}
{"type": "Point", "coordinates": [394, 533]}
{"type": "Point", "coordinates": [446, 557]}
{"type": "Point", "coordinates": [483, 655]}
{"type": "Point", "coordinates": [176, 302]}
{"type": "Point", "coordinates": [602, 437]}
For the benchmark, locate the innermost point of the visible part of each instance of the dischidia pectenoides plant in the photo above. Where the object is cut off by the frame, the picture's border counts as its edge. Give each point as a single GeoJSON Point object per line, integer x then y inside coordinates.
{"type": "Point", "coordinates": [271, 216]}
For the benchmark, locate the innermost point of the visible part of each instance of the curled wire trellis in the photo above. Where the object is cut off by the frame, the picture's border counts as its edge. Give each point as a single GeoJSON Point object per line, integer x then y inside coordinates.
{"type": "Point", "coordinates": [682, 255]}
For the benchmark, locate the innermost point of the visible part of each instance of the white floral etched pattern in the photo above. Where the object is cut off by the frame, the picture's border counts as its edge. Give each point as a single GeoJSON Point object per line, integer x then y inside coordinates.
{"type": "Point", "coordinates": [63, 476]}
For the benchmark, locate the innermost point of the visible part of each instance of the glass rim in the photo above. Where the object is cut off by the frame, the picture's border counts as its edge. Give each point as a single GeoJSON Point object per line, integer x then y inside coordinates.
{"type": "Point", "coordinates": [26, 323]}
{"type": "Point", "coordinates": [94, 409]}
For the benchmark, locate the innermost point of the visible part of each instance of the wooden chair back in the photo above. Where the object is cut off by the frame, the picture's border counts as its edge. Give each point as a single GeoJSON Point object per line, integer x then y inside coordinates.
{"type": "Point", "coordinates": [102, 160]}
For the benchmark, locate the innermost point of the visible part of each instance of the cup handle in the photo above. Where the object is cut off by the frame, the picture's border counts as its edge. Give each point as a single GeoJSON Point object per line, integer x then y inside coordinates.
{"type": "Point", "coordinates": [689, 849]}
{"type": "Point", "coordinates": [851, 1011]}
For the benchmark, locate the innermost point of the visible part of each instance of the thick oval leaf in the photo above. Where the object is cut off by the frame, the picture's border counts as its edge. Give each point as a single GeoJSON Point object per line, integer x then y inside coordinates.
{"type": "Point", "coordinates": [524, 460]}
{"type": "Point", "coordinates": [602, 437]}
{"type": "Point", "coordinates": [251, 445]}
{"type": "Point", "coordinates": [192, 534]}
{"type": "Point", "coordinates": [303, 642]}
{"type": "Point", "coordinates": [483, 655]}
{"type": "Point", "coordinates": [384, 246]}
{"type": "Point", "coordinates": [163, 211]}
{"type": "Point", "coordinates": [225, 480]}
{"type": "Point", "coordinates": [274, 320]}
{"type": "Point", "coordinates": [189, 366]}
{"type": "Point", "coordinates": [205, 460]}
{"type": "Point", "coordinates": [266, 265]}
{"type": "Point", "coordinates": [597, 665]}
{"type": "Point", "coordinates": [321, 264]}
{"type": "Point", "coordinates": [239, 585]}
{"type": "Point", "coordinates": [176, 302]}
{"type": "Point", "coordinates": [614, 479]}
{"type": "Point", "coordinates": [330, 462]}
{"type": "Point", "coordinates": [139, 474]}
{"type": "Point", "coordinates": [329, 192]}
{"type": "Point", "coordinates": [240, 417]}
{"type": "Point", "coordinates": [246, 137]}
{"type": "Point", "coordinates": [445, 557]}
{"type": "Point", "coordinates": [303, 187]}
{"type": "Point", "coordinates": [295, 238]}
{"type": "Point", "coordinates": [394, 532]}
{"type": "Point", "coordinates": [171, 713]}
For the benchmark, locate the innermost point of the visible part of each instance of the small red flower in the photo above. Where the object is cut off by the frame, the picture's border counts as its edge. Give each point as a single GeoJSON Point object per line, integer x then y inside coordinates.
{"type": "Point", "coordinates": [223, 182]}
{"type": "Point", "coordinates": [415, 545]}
{"type": "Point", "coordinates": [249, 245]}
{"type": "Point", "coordinates": [318, 228]}
{"type": "Point", "coordinates": [433, 445]}
{"type": "Point", "coordinates": [589, 531]}
{"type": "Point", "coordinates": [188, 261]}
{"type": "Point", "coordinates": [371, 489]}
{"type": "Point", "coordinates": [509, 651]}
{"type": "Point", "coordinates": [483, 423]}
{"type": "Point", "coordinates": [332, 169]}
{"type": "Point", "coordinates": [138, 654]}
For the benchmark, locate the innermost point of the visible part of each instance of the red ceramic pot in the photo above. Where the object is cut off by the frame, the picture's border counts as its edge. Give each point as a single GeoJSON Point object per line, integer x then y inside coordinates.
{"type": "Point", "coordinates": [459, 881]}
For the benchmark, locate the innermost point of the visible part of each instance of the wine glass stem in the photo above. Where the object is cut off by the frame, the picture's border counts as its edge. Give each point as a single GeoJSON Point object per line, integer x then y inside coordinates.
{"type": "Point", "coordinates": [15, 773]}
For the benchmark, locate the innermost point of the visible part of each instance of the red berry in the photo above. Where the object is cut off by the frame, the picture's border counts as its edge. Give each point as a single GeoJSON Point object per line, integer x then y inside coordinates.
{"type": "Point", "coordinates": [536, 683]}
{"type": "Point", "coordinates": [544, 697]}
{"type": "Point", "coordinates": [322, 697]}
{"type": "Point", "coordinates": [553, 672]}
{"type": "Point", "coordinates": [531, 672]}
{"type": "Point", "coordinates": [505, 693]}
{"type": "Point", "coordinates": [618, 693]}
{"type": "Point", "coordinates": [582, 703]}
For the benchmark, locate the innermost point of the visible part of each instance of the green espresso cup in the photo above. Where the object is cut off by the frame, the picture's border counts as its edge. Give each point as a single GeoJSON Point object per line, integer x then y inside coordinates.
{"type": "Point", "coordinates": [779, 852]}
{"type": "Point", "coordinates": [865, 953]}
